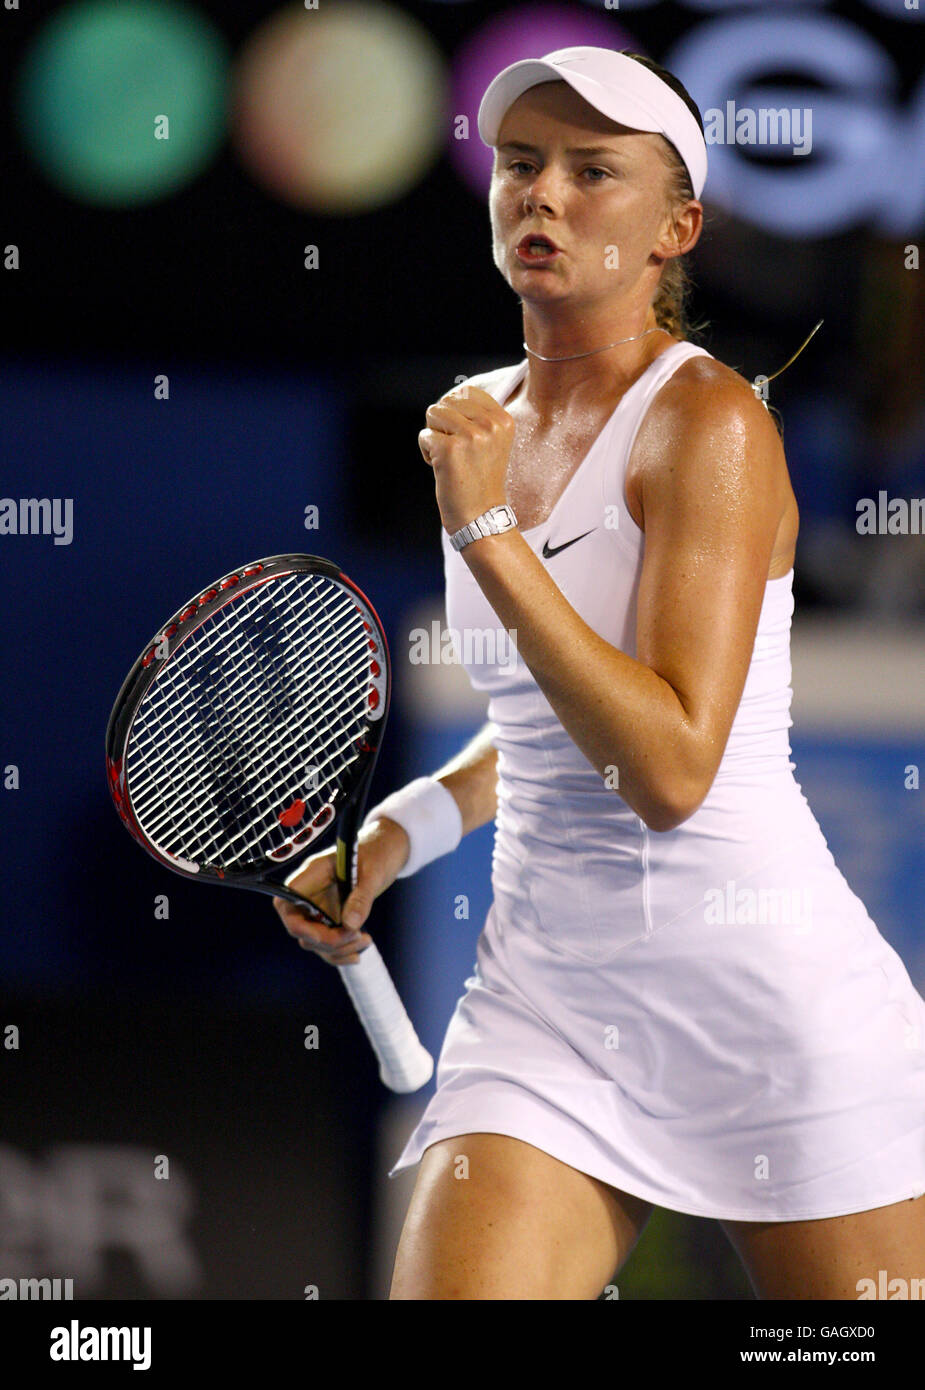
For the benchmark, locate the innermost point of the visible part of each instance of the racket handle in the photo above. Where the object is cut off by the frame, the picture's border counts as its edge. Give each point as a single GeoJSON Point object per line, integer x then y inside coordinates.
{"type": "Point", "coordinates": [404, 1063]}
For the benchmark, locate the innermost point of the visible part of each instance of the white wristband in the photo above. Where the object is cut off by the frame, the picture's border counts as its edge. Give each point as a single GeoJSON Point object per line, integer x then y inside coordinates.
{"type": "Point", "coordinates": [428, 814]}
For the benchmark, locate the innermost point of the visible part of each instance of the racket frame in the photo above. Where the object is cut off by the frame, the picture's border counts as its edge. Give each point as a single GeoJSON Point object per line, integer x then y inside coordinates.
{"type": "Point", "coordinates": [348, 809]}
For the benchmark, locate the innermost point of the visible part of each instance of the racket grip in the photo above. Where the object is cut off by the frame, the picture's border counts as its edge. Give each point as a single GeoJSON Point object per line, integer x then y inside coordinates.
{"type": "Point", "coordinates": [404, 1063]}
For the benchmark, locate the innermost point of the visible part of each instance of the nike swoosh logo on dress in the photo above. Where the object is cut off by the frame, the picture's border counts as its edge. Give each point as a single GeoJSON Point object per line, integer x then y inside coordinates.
{"type": "Point", "coordinates": [549, 550]}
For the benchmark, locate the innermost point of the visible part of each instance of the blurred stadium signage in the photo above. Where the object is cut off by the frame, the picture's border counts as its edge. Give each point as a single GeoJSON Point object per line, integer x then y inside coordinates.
{"type": "Point", "coordinates": [896, 9]}
{"type": "Point", "coordinates": [868, 157]}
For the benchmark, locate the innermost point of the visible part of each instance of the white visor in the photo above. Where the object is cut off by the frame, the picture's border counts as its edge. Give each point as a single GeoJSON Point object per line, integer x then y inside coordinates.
{"type": "Point", "coordinates": [620, 88]}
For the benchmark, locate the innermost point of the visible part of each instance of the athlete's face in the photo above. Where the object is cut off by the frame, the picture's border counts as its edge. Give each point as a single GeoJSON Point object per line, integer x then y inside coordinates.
{"type": "Point", "coordinates": [597, 189]}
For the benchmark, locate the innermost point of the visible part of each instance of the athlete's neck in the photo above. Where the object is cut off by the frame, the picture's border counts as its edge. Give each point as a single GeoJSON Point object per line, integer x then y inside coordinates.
{"type": "Point", "coordinates": [549, 388]}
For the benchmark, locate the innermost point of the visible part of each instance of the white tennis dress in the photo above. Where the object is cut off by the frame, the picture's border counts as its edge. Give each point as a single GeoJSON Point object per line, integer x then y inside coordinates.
{"type": "Point", "coordinates": [707, 1018]}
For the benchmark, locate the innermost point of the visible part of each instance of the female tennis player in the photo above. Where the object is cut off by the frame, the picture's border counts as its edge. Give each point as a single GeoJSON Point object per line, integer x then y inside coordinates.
{"type": "Point", "coordinates": [678, 1001]}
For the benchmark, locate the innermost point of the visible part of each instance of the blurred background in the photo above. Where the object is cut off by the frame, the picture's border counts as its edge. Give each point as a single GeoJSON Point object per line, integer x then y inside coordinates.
{"type": "Point", "coordinates": [243, 248]}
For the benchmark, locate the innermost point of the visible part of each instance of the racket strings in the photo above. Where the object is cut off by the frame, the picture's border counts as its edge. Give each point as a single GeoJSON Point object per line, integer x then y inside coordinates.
{"type": "Point", "coordinates": [323, 771]}
{"type": "Point", "coordinates": [248, 723]}
{"type": "Point", "coordinates": [208, 701]}
{"type": "Point", "coordinates": [261, 706]}
{"type": "Point", "coordinates": [316, 775]}
{"type": "Point", "coordinates": [183, 707]}
{"type": "Point", "coordinates": [224, 780]}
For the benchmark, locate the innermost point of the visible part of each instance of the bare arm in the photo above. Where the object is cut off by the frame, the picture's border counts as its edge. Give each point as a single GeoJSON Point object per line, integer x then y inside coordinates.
{"type": "Point", "coordinates": [712, 495]}
{"type": "Point", "coordinates": [471, 777]}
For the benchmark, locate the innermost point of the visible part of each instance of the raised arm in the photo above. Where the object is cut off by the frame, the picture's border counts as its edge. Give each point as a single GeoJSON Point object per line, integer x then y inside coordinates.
{"type": "Point", "coordinates": [712, 490]}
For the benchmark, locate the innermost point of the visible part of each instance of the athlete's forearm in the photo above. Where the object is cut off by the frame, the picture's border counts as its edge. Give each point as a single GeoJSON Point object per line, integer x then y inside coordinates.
{"type": "Point", "coordinates": [471, 778]}
{"type": "Point", "coordinates": [628, 721]}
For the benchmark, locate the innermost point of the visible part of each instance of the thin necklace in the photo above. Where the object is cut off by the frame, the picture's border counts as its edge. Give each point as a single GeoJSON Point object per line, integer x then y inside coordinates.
{"type": "Point", "coordinates": [593, 350]}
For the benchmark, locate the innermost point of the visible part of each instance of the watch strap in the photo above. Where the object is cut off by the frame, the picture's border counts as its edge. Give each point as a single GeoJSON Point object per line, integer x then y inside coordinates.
{"type": "Point", "coordinates": [494, 522]}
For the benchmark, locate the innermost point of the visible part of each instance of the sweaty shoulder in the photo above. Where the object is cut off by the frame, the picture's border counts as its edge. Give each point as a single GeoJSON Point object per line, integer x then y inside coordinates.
{"type": "Point", "coordinates": [703, 398]}
{"type": "Point", "coordinates": [705, 392]}
{"type": "Point", "coordinates": [704, 422]}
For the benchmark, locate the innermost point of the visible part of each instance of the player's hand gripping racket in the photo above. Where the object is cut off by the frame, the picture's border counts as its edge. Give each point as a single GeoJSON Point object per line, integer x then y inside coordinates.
{"type": "Point", "coordinates": [250, 724]}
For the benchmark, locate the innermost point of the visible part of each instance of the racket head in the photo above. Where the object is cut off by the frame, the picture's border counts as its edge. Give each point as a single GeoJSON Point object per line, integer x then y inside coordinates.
{"type": "Point", "coordinates": [251, 723]}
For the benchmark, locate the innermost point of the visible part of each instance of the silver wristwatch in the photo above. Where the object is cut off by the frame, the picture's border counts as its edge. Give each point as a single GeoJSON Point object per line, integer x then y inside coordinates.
{"type": "Point", "coordinates": [491, 523]}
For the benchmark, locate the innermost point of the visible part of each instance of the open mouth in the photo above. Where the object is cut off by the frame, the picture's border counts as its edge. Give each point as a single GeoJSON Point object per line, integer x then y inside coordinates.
{"type": "Point", "coordinates": [536, 248]}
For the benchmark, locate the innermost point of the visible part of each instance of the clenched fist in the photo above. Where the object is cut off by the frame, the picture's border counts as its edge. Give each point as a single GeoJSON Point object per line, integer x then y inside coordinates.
{"type": "Point", "coordinates": [467, 443]}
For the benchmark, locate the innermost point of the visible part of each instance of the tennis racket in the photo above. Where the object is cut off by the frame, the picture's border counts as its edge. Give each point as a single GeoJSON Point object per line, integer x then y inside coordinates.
{"type": "Point", "coordinates": [246, 728]}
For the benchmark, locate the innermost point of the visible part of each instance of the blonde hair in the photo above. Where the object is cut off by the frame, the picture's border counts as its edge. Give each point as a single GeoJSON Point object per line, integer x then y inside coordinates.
{"type": "Point", "coordinates": [675, 286]}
